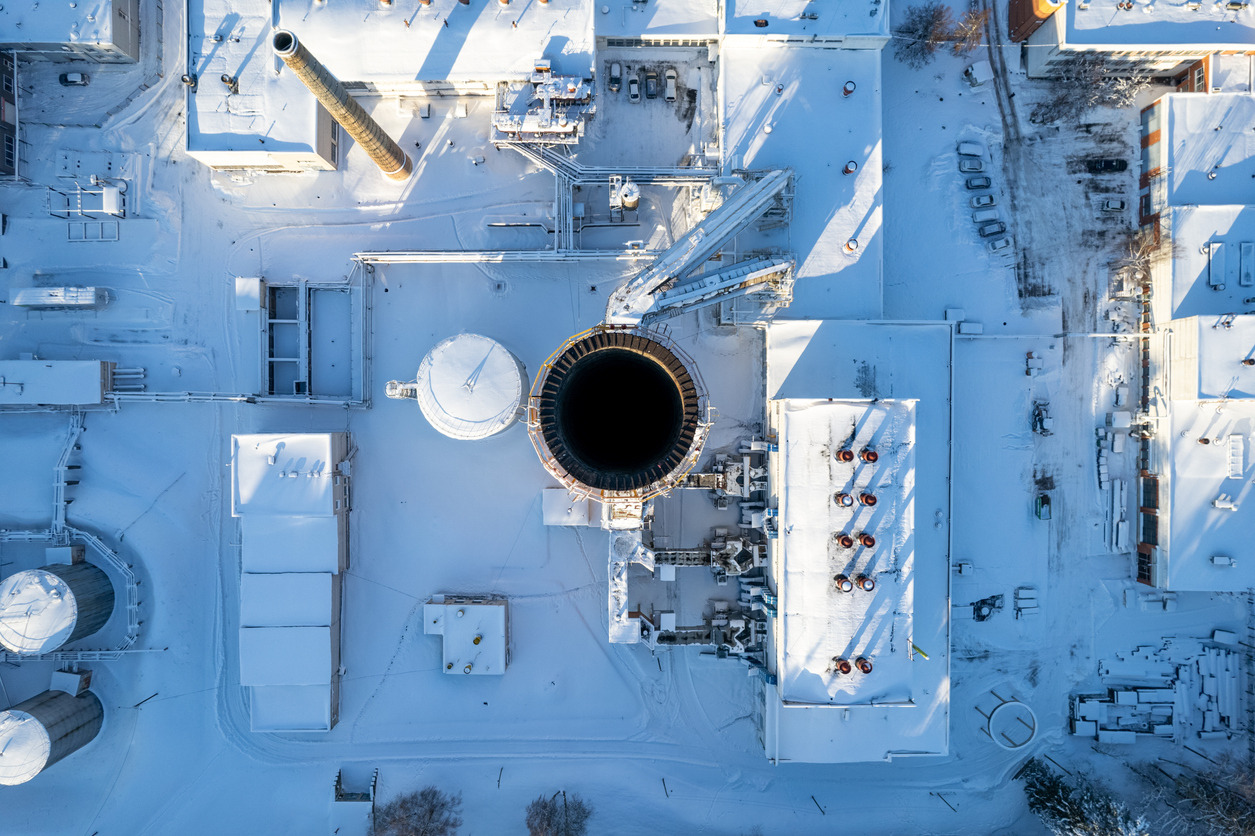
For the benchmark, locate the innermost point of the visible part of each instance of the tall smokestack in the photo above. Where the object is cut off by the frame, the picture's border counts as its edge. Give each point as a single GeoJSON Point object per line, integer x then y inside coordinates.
{"type": "Point", "coordinates": [365, 131]}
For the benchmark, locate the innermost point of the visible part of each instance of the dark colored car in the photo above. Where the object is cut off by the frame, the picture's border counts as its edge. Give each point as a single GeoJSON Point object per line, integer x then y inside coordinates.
{"type": "Point", "coordinates": [651, 84]}
{"type": "Point", "coordinates": [979, 183]}
{"type": "Point", "coordinates": [1100, 166]}
{"type": "Point", "coordinates": [989, 230]}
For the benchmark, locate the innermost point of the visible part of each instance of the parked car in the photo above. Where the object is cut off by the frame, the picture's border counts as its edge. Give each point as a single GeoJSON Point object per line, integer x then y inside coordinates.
{"type": "Point", "coordinates": [651, 84]}
{"type": "Point", "coordinates": [984, 216]}
{"type": "Point", "coordinates": [1115, 205]}
{"type": "Point", "coordinates": [989, 230]}
{"type": "Point", "coordinates": [1100, 166]}
{"type": "Point", "coordinates": [998, 244]}
{"type": "Point", "coordinates": [970, 165]}
{"type": "Point", "coordinates": [616, 78]}
{"type": "Point", "coordinates": [634, 90]}
{"type": "Point", "coordinates": [978, 183]}
{"type": "Point", "coordinates": [74, 79]}
{"type": "Point", "coordinates": [669, 93]}
{"type": "Point", "coordinates": [971, 149]}
{"type": "Point", "coordinates": [981, 201]}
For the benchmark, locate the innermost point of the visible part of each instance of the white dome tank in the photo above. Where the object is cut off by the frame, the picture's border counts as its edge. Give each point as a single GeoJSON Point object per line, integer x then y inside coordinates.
{"type": "Point", "coordinates": [471, 387]}
{"type": "Point", "coordinates": [43, 609]}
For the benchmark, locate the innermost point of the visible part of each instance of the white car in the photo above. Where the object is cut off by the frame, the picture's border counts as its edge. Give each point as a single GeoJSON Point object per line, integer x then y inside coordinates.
{"type": "Point", "coordinates": [998, 244]}
{"type": "Point", "coordinates": [634, 90]}
{"type": "Point", "coordinates": [669, 95]}
{"type": "Point", "coordinates": [1115, 205]}
{"type": "Point", "coordinates": [981, 201]}
{"type": "Point", "coordinates": [616, 78]}
{"type": "Point", "coordinates": [971, 149]}
{"type": "Point", "coordinates": [984, 216]}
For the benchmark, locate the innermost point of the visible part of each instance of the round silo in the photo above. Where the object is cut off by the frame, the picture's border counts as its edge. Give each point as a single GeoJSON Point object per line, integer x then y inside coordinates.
{"type": "Point", "coordinates": [43, 609]}
{"type": "Point", "coordinates": [37, 733]}
{"type": "Point", "coordinates": [471, 387]}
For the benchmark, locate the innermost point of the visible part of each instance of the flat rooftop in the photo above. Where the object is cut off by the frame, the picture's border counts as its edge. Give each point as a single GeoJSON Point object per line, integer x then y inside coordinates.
{"type": "Point", "coordinates": [1192, 293]}
{"type": "Point", "coordinates": [1209, 501]}
{"type": "Point", "coordinates": [288, 475]}
{"type": "Point", "coordinates": [1211, 27]}
{"type": "Point", "coordinates": [859, 19]}
{"type": "Point", "coordinates": [680, 20]}
{"type": "Point", "coordinates": [484, 41]}
{"type": "Point", "coordinates": [821, 623]}
{"type": "Point", "coordinates": [905, 369]}
{"type": "Point", "coordinates": [87, 21]}
{"type": "Point", "coordinates": [1213, 134]}
{"type": "Point", "coordinates": [762, 132]}
{"type": "Point", "coordinates": [272, 112]}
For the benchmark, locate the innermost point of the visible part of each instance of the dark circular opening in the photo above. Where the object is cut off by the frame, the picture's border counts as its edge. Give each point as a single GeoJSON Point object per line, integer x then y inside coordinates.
{"type": "Point", "coordinates": [282, 41]}
{"type": "Point", "coordinates": [618, 412]}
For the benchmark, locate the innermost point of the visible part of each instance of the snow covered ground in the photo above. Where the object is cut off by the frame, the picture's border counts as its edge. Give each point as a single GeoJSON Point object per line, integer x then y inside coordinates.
{"type": "Point", "coordinates": [433, 515]}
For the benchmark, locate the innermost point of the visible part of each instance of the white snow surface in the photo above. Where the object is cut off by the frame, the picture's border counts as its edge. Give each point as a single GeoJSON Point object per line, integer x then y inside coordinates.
{"type": "Point", "coordinates": [471, 387]}
{"type": "Point", "coordinates": [1206, 136]}
{"type": "Point", "coordinates": [24, 747]}
{"type": "Point", "coordinates": [37, 612]}
{"type": "Point", "coordinates": [1162, 24]}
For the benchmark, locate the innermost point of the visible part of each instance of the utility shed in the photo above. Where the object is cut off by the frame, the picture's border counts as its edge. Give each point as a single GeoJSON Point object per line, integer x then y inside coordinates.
{"type": "Point", "coordinates": [475, 630]}
{"type": "Point", "coordinates": [54, 382]}
{"type": "Point", "coordinates": [106, 31]}
{"type": "Point", "coordinates": [291, 494]}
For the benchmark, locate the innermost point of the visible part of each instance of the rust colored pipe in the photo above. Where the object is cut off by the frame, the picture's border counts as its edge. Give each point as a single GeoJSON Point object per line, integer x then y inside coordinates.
{"type": "Point", "coordinates": [865, 583]}
{"type": "Point", "coordinates": [843, 499]}
{"type": "Point", "coordinates": [844, 584]}
{"type": "Point", "coordinates": [366, 132]}
{"type": "Point", "coordinates": [863, 664]}
{"type": "Point", "coordinates": [846, 541]}
{"type": "Point", "coordinates": [841, 666]}
{"type": "Point", "coordinates": [870, 456]}
{"type": "Point", "coordinates": [845, 455]}
{"type": "Point", "coordinates": [867, 499]}
{"type": "Point", "coordinates": [867, 540]}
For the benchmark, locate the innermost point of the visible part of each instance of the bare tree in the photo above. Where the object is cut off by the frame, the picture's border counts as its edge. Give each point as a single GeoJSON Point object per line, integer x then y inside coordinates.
{"type": "Point", "coordinates": [923, 30]}
{"type": "Point", "coordinates": [969, 32]}
{"type": "Point", "coordinates": [1080, 810]}
{"type": "Point", "coordinates": [428, 812]}
{"type": "Point", "coordinates": [558, 815]}
{"type": "Point", "coordinates": [1220, 802]}
{"type": "Point", "coordinates": [1087, 83]}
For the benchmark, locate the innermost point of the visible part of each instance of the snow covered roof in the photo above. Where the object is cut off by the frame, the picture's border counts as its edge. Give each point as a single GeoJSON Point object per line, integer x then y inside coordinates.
{"type": "Point", "coordinates": [365, 41]}
{"type": "Point", "coordinates": [1206, 496]}
{"type": "Point", "coordinates": [289, 599]}
{"type": "Point", "coordinates": [896, 377]}
{"type": "Point", "coordinates": [821, 623]}
{"type": "Point", "coordinates": [87, 21]}
{"type": "Point", "coordinates": [476, 637]}
{"type": "Point", "coordinates": [290, 708]}
{"type": "Point", "coordinates": [1207, 135]}
{"type": "Point", "coordinates": [285, 475]}
{"type": "Point", "coordinates": [52, 382]}
{"type": "Point", "coordinates": [26, 747]}
{"type": "Point", "coordinates": [679, 19]}
{"type": "Point", "coordinates": [290, 544]}
{"type": "Point", "coordinates": [273, 112]}
{"type": "Point", "coordinates": [864, 19]}
{"type": "Point", "coordinates": [285, 656]}
{"type": "Point", "coordinates": [1211, 27]}
{"type": "Point", "coordinates": [1198, 268]}
{"type": "Point", "coordinates": [37, 612]}
{"type": "Point", "coordinates": [762, 132]}
{"type": "Point", "coordinates": [1207, 358]}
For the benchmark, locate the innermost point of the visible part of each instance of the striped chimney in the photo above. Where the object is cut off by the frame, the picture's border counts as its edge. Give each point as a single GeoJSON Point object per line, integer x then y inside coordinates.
{"type": "Point", "coordinates": [365, 131]}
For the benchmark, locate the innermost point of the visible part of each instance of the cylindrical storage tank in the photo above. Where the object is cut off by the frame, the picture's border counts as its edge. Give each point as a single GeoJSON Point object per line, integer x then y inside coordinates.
{"type": "Point", "coordinates": [631, 195]}
{"type": "Point", "coordinates": [471, 387]}
{"type": "Point", "coordinates": [37, 733]}
{"type": "Point", "coordinates": [618, 412]}
{"type": "Point", "coordinates": [43, 609]}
